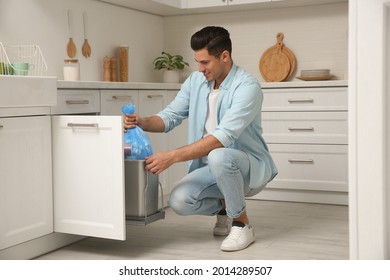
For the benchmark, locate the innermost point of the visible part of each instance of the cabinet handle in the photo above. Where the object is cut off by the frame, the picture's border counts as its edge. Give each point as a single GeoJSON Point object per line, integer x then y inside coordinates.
{"type": "Point", "coordinates": [1, 126]}
{"type": "Point", "coordinates": [122, 97]}
{"type": "Point", "coordinates": [301, 100]}
{"type": "Point", "coordinates": [306, 161]}
{"type": "Point", "coordinates": [301, 128]}
{"type": "Point", "coordinates": [155, 96]}
{"type": "Point", "coordinates": [83, 125]}
{"type": "Point", "coordinates": [72, 102]}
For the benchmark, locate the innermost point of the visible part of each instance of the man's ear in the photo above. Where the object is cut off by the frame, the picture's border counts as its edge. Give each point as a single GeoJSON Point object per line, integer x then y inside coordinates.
{"type": "Point", "coordinates": [225, 56]}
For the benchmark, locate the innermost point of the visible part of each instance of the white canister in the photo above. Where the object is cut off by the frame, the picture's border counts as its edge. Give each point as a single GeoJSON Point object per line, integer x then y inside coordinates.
{"type": "Point", "coordinates": [71, 70]}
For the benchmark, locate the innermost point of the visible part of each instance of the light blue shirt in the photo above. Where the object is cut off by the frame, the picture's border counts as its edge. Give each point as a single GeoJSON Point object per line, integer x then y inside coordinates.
{"type": "Point", "coordinates": [238, 116]}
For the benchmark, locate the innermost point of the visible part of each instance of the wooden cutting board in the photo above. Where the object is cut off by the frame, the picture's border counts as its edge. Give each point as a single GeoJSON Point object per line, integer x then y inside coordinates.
{"type": "Point", "coordinates": [278, 62]}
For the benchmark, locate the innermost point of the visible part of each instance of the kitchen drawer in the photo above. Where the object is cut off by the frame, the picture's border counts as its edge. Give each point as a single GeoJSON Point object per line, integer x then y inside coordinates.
{"type": "Point", "coordinates": [112, 101]}
{"type": "Point", "coordinates": [77, 102]}
{"type": "Point", "coordinates": [305, 127]}
{"type": "Point", "coordinates": [306, 99]}
{"type": "Point", "coordinates": [310, 167]}
{"type": "Point", "coordinates": [93, 183]}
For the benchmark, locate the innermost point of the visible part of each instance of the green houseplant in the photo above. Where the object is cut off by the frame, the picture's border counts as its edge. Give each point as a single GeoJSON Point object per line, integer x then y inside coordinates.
{"type": "Point", "coordinates": [170, 64]}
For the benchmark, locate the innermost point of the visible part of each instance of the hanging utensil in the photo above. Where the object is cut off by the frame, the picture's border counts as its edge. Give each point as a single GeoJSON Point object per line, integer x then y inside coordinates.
{"type": "Point", "coordinates": [71, 47]}
{"type": "Point", "coordinates": [86, 49]}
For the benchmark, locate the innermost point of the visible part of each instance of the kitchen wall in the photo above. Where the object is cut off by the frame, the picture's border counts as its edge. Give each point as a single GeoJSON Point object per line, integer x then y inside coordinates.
{"type": "Point", "coordinates": [44, 22]}
{"type": "Point", "coordinates": [316, 34]}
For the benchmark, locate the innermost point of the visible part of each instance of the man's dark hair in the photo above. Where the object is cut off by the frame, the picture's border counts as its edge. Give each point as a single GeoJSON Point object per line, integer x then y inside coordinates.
{"type": "Point", "coordinates": [214, 39]}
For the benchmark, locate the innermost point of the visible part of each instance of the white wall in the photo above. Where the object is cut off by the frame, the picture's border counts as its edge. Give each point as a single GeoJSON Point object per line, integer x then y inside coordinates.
{"type": "Point", "coordinates": [318, 35]}
{"type": "Point", "coordinates": [44, 22]}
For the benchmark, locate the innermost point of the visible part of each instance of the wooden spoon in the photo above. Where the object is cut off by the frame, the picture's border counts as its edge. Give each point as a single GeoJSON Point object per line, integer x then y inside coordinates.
{"type": "Point", "coordinates": [86, 49]}
{"type": "Point", "coordinates": [71, 47]}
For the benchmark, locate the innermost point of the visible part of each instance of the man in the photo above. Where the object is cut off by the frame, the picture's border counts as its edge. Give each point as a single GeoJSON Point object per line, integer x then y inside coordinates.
{"type": "Point", "coordinates": [229, 159]}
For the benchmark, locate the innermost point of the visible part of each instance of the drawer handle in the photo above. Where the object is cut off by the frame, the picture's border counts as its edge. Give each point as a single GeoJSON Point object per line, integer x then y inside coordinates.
{"type": "Point", "coordinates": [1, 126]}
{"type": "Point", "coordinates": [301, 128]}
{"type": "Point", "coordinates": [73, 102]}
{"type": "Point", "coordinates": [301, 100]}
{"type": "Point", "coordinates": [155, 96]}
{"type": "Point", "coordinates": [307, 161]}
{"type": "Point", "coordinates": [83, 125]}
{"type": "Point", "coordinates": [122, 97]}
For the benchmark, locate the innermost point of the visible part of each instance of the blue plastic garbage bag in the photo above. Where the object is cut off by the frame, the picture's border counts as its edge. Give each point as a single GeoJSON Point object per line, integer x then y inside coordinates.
{"type": "Point", "coordinates": [137, 143]}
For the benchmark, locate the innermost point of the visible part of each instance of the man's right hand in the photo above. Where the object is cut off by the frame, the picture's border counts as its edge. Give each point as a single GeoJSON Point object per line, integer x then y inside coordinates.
{"type": "Point", "coordinates": [130, 121]}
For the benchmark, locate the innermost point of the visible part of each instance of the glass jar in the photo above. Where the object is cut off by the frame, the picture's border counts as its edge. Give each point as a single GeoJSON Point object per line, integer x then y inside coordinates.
{"type": "Point", "coordinates": [71, 70]}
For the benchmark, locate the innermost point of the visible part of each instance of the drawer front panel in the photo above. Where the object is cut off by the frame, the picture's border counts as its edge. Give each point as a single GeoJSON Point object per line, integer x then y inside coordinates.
{"type": "Point", "coordinates": [77, 102]}
{"type": "Point", "coordinates": [305, 127]}
{"type": "Point", "coordinates": [310, 167]}
{"type": "Point", "coordinates": [113, 100]}
{"type": "Point", "coordinates": [306, 99]}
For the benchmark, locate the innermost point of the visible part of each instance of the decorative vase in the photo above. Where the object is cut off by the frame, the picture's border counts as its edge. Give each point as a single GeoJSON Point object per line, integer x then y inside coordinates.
{"type": "Point", "coordinates": [171, 76]}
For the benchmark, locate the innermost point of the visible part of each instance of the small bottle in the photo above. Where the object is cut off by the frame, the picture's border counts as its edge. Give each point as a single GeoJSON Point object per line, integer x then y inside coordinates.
{"type": "Point", "coordinates": [71, 70]}
{"type": "Point", "coordinates": [123, 55]}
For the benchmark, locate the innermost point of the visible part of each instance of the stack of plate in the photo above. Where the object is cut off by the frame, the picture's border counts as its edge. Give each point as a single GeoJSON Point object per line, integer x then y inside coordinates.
{"type": "Point", "coordinates": [315, 75]}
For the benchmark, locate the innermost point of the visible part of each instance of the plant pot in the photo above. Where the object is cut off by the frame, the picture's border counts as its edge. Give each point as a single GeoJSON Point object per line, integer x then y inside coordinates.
{"type": "Point", "coordinates": [171, 76]}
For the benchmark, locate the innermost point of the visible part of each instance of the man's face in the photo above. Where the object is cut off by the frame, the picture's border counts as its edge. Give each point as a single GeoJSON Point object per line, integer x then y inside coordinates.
{"type": "Point", "coordinates": [213, 68]}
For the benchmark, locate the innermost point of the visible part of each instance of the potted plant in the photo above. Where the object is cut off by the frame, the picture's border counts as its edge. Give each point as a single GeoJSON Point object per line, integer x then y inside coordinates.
{"type": "Point", "coordinates": [170, 64]}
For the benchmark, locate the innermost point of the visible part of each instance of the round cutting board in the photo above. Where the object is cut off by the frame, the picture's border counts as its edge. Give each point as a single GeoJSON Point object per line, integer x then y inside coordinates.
{"type": "Point", "coordinates": [278, 62]}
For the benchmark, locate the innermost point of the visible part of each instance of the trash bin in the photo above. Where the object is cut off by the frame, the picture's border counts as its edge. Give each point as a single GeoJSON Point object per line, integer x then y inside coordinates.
{"type": "Point", "coordinates": [142, 193]}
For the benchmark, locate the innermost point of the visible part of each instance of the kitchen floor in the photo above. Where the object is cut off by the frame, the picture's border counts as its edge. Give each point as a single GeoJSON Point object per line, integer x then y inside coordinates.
{"type": "Point", "coordinates": [284, 230]}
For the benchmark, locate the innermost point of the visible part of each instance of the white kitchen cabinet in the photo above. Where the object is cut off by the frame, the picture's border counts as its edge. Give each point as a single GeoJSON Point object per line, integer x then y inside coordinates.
{"type": "Point", "coordinates": [25, 179]}
{"type": "Point", "coordinates": [306, 129]}
{"type": "Point", "coordinates": [77, 102]}
{"type": "Point", "coordinates": [111, 101]}
{"type": "Point", "coordinates": [88, 176]}
{"type": "Point", "coordinates": [216, 3]}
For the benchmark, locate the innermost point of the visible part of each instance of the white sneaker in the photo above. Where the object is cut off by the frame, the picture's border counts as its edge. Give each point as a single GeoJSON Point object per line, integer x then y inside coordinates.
{"type": "Point", "coordinates": [239, 238]}
{"type": "Point", "coordinates": [223, 225]}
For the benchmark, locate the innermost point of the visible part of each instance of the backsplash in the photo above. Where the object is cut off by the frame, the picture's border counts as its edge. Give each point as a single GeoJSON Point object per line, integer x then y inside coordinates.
{"type": "Point", "coordinates": [318, 35]}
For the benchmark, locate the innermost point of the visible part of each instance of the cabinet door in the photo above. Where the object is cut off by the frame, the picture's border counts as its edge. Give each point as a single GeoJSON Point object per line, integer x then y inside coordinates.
{"type": "Point", "coordinates": [150, 103]}
{"type": "Point", "coordinates": [178, 137]}
{"type": "Point", "coordinates": [240, 2]}
{"type": "Point", "coordinates": [112, 101]}
{"type": "Point", "coordinates": [205, 3]}
{"type": "Point", "coordinates": [26, 209]}
{"type": "Point", "coordinates": [88, 175]}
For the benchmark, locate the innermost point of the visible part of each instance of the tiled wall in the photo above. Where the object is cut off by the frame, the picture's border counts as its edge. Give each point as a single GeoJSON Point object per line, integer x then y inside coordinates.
{"type": "Point", "coordinates": [318, 35]}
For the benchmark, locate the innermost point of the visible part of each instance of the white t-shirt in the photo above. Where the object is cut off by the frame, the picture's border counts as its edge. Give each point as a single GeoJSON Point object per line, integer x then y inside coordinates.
{"type": "Point", "coordinates": [211, 118]}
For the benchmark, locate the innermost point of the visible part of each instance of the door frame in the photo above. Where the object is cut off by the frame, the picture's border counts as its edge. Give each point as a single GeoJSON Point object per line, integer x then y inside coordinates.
{"type": "Point", "coordinates": [369, 129]}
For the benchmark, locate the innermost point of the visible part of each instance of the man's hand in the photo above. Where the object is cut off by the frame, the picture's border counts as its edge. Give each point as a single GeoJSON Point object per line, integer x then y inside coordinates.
{"type": "Point", "coordinates": [158, 162]}
{"type": "Point", "coordinates": [130, 121]}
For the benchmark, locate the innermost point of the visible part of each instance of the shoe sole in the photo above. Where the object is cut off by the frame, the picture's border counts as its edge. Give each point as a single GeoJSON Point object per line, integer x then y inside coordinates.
{"type": "Point", "coordinates": [237, 249]}
{"type": "Point", "coordinates": [221, 233]}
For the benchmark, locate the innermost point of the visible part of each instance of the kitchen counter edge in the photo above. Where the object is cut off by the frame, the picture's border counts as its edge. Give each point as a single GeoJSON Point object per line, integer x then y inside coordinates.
{"type": "Point", "coordinates": [168, 86]}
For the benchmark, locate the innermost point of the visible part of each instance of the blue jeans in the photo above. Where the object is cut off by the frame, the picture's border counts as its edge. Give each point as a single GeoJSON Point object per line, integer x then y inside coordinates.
{"type": "Point", "coordinates": [225, 177]}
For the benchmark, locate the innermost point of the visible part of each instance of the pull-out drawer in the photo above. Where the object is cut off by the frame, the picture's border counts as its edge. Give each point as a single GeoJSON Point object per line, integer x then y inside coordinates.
{"type": "Point", "coordinates": [90, 178]}
{"type": "Point", "coordinates": [310, 167]}
{"type": "Point", "coordinates": [77, 102]}
{"type": "Point", "coordinates": [306, 99]}
{"type": "Point", "coordinates": [305, 127]}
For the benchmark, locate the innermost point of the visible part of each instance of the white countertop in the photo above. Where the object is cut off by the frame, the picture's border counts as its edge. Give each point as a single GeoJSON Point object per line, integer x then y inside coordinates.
{"type": "Point", "coordinates": [141, 85]}
{"type": "Point", "coordinates": [114, 85]}
{"type": "Point", "coordinates": [298, 83]}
